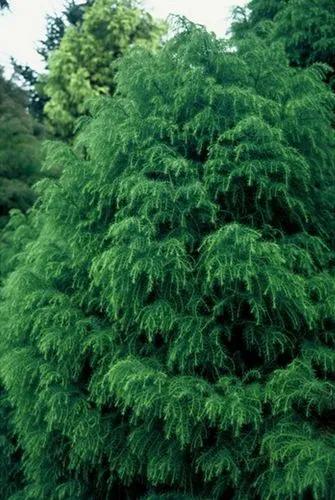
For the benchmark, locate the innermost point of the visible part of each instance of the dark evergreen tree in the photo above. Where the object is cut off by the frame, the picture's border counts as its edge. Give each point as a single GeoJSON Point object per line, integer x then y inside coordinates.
{"type": "Point", "coordinates": [19, 150]}
{"type": "Point", "coordinates": [306, 27]}
{"type": "Point", "coordinates": [170, 331]}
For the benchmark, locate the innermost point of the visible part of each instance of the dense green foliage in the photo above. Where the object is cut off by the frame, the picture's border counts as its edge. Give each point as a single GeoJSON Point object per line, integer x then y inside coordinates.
{"type": "Point", "coordinates": [306, 27]}
{"type": "Point", "coordinates": [19, 169]}
{"type": "Point", "coordinates": [83, 64]}
{"type": "Point", "coordinates": [169, 332]}
{"type": "Point", "coordinates": [13, 239]}
{"type": "Point", "coordinates": [19, 151]}
{"type": "Point", "coordinates": [10, 468]}
{"type": "Point", "coordinates": [33, 85]}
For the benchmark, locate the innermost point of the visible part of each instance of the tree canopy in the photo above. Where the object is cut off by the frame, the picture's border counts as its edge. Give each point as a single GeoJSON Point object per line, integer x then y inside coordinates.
{"type": "Point", "coordinates": [306, 27]}
{"type": "Point", "coordinates": [32, 81]}
{"type": "Point", "coordinates": [19, 150]}
{"type": "Point", "coordinates": [83, 67]}
{"type": "Point", "coordinates": [169, 333]}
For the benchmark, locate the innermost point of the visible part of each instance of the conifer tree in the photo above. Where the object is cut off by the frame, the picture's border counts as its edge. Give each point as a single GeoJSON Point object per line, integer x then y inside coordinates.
{"type": "Point", "coordinates": [82, 66]}
{"type": "Point", "coordinates": [170, 332]}
{"type": "Point", "coordinates": [4, 4]}
{"type": "Point", "coordinates": [306, 27]}
{"type": "Point", "coordinates": [19, 150]}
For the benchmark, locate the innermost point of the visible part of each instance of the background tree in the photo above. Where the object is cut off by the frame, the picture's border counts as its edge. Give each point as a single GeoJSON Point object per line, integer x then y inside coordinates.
{"type": "Point", "coordinates": [30, 80]}
{"type": "Point", "coordinates": [306, 27]}
{"type": "Point", "coordinates": [256, 12]}
{"type": "Point", "coordinates": [33, 85]}
{"type": "Point", "coordinates": [83, 65]}
{"type": "Point", "coordinates": [72, 15]}
{"type": "Point", "coordinates": [19, 150]}
{"type": "Point", "coordinates": [170, 331]}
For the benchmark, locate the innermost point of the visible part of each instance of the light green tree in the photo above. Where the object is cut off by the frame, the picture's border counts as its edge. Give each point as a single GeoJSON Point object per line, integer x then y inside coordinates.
{"type": "Point", "coordinates": [83, 65]}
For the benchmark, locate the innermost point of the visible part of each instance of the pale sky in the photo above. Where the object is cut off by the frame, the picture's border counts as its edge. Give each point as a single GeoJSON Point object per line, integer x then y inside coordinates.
{"type": "Point", "coordinates": [24, 25]}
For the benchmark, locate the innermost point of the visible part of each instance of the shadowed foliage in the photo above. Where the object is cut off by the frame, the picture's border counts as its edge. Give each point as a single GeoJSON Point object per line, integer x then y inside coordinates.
{"type": "Point", "coordinates": [305, 27]}
{"type": "Point", "coordinates": [19, 151]}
